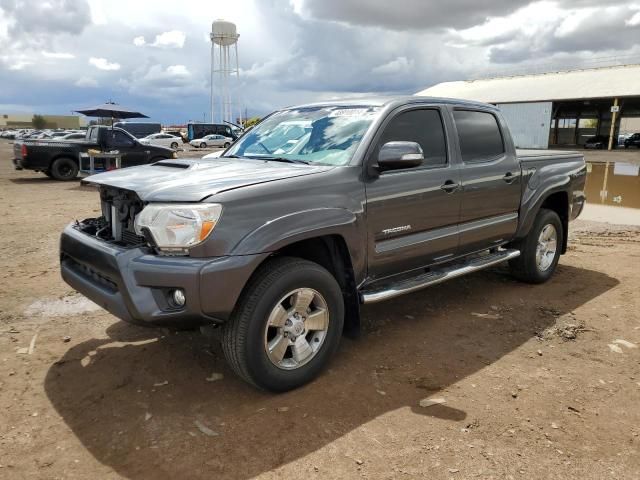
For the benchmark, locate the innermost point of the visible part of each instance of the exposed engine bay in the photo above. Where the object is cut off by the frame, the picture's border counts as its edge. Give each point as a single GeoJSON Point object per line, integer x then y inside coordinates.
{"type": "Point", "coordinates": [119, 210]}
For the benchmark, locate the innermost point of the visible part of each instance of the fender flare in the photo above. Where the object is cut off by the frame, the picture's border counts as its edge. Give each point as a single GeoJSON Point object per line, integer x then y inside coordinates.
{"type": "Point", "coordinates": [303, 225]}
{"type": "Point", "coordinates": [533, 199]}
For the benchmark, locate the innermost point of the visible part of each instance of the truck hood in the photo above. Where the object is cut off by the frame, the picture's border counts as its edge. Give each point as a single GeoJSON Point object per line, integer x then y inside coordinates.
{"type": "Point", "coordinates": [193, 180]}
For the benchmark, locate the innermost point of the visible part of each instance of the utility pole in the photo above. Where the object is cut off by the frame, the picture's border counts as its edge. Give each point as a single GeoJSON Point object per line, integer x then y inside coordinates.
{"type": "Point", "coordinates": [614, 113]}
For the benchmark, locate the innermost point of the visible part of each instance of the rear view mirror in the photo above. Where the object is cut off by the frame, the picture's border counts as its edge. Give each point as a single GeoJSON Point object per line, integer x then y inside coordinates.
{"type": "Point", "coordinates": [397, 155]}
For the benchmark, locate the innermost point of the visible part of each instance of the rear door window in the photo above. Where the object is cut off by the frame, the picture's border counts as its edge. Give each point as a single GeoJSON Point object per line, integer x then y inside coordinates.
{"type": "Point", "coordinates": [479, 135]}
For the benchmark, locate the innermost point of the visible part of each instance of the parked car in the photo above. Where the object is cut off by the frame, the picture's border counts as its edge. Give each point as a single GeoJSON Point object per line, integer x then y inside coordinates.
{"type": "Point", "coordinates": [384, 197]}
{"type": "Point", "coordinates": [214, 140]}
{"type": "Point", "coordinates": [71, 136]}
{"type": "Point", "coordinates": [176, 133]}
{"type": "Point", "coordinates": [598, 142]}
{"type": "Point", "coordinates": [162, 139]}
{"type": "Point", "coordinates": [632, 141]}
{"type": "Point", "coordinates": [57, 134]}
{"type": "Point", "coordinates": [9, 134]}
{"type": "Point", "coordinates": [59, 160]}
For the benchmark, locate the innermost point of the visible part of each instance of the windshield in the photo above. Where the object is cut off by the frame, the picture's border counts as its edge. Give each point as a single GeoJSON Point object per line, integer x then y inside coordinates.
{"type": "Point", "coordinates": [325, 135]}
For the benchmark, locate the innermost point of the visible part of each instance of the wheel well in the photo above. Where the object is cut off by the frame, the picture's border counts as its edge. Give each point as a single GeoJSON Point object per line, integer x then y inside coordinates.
{"type": "Point", "coordinates": [559, 203]}
{"type": "Point", "coordinates": [332, 253]}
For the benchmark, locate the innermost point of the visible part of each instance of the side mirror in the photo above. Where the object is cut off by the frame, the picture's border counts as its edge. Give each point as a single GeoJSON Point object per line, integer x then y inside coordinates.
{"type": "Point", "coordinates": [397, 155]}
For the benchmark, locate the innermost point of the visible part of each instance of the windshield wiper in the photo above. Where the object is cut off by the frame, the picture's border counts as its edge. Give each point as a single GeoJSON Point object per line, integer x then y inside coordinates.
{"type": "Point", "coordinates": [281, 159]}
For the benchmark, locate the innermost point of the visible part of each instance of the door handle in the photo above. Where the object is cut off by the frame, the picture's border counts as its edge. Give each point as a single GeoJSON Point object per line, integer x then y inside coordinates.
{"type": "Point", "coordinates": [449, 186]}
{"type": "Point", "coordinates": [509, 177]}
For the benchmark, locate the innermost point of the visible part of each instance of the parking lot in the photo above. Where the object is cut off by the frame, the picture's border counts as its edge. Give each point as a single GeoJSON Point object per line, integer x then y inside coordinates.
{"type": "Point", "coordinates": [530, 381]}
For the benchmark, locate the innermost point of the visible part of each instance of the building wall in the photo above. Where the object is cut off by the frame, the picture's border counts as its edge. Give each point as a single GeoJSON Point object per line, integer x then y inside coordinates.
{"type": "Point", "coordinates": [529, 123]}
{"type": "Point", "coordinates": [23, 120]}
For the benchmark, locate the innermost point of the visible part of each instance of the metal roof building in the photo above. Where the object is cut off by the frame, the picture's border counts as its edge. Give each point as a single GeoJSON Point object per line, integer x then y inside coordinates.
{"type": "Point", "coordinates": [558, 108]}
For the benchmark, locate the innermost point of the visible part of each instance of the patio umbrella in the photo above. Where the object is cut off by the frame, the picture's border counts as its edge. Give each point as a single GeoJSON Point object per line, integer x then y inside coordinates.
{"type": "Point", "coordinates": [111, 109]}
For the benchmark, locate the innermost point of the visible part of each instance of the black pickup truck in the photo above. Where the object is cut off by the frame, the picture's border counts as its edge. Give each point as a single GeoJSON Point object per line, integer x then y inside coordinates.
{"type": "Point", "coordinates": [319, 209]}
{"type": "Point", "coordinates": [59, 160]}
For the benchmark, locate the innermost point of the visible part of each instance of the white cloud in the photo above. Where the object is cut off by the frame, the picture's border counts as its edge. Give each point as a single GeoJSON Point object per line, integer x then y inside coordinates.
{"type": "Point", "coordinates": [157, 81]}
{"type": "Point", "coordinates": [98, 14]}
{"type": "Point", "coordinates": [61, 55]}
{"type": "Point", "coordinates": [634, 21]}
{"type": "Point", "coordinates": [20, 64]}
{"type": "Point", "coordinates": [84, 82]}
{"type": "Point", "coordinates": [171, 39]}
{"type": "Point", "coordinates": [103, 64]}
{"type": "Point", "coordinates": [399, 66]}
{"type": "Point", "coordinates": [179, 70]}
{"type": "Point", "coordinates": [139, 41]}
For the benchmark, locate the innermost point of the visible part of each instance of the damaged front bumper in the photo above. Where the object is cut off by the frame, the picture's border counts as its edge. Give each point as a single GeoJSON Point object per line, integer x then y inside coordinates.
{"type": "Point", "coordinates": [135, 285]}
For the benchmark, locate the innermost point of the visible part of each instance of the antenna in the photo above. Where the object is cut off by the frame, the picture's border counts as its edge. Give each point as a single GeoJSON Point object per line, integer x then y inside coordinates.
{"type": "Point", "coordinates": [224, 46]}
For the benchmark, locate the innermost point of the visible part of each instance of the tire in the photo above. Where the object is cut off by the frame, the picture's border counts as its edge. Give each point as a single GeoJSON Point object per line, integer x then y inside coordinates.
{"type": "Point", "coordinates": [529, 267]}
{"type": "Point", "coordinates": [203, 145]}
{"type": "Point", "coordinates": [174, 145]}
{"type": "Point", "coordinates": [64, 169]}
{"type": "Point", "coordinates": [247, 335]}
{"type": "Point", "coordinates": [227, 145]}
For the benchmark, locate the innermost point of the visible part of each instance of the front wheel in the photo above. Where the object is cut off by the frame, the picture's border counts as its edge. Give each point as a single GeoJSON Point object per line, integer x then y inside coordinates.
{"type": "Point", "coordinates": [174, 145]}
{"type": "Point", "coordinates": [539, 250]}
{"type": "Point", "coordinates": [286, 326]}
{"type": "Point", "coordinates": [203, 145]}
{"type": "Point", "coordinates": [227, 145]}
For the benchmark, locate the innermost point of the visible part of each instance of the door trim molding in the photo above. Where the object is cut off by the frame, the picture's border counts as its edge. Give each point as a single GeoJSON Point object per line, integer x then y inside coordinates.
{"type": "Point", "coordinates": [414, 239]}
{"type": "Point", "coordinates": [488, 222]}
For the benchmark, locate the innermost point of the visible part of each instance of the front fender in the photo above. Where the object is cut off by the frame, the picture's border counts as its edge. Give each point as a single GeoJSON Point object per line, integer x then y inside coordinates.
{"type": "Point", "coordinates": [294, 227]}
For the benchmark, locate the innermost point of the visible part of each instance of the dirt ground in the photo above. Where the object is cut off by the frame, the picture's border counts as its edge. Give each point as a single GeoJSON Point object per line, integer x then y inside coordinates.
{"type": "Point", "coordinates": [539, 382]}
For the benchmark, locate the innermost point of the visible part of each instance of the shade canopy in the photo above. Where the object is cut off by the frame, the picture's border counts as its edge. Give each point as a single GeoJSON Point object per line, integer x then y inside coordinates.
{"type": "Point", "coordinates": [112, 110]}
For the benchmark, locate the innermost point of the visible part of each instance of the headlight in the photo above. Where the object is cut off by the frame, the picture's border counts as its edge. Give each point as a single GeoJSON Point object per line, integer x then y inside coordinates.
{"type": "Point", "coordinates": [176, 227]}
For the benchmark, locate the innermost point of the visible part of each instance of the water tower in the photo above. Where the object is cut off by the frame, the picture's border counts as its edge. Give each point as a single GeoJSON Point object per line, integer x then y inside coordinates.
{"type": "Point", "coordinates": [224, 71]}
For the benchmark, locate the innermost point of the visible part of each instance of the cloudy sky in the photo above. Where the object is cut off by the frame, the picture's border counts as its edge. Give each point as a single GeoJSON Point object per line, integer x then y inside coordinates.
{"type": "Point", "coordinates": [59, 55]}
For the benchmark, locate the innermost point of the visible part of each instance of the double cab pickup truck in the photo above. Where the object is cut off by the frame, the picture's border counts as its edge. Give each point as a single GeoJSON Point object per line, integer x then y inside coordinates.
{"type": "Point", "coordinates": [317, 210]}
{"type": "Point", "coordinates": [60, 159]}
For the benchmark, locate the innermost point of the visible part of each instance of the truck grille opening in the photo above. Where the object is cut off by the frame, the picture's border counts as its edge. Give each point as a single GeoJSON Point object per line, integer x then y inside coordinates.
{"type": "Point", "coordinates": [117, 223]}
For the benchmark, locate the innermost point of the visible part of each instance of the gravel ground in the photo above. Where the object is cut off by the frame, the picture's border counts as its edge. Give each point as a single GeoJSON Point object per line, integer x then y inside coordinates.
{"type": "Point", "coordinates": [517, 381]}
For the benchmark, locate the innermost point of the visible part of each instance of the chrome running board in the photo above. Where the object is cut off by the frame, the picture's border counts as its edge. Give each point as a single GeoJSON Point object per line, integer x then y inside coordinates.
{"type": "Point", "coordinates": [394, 289]}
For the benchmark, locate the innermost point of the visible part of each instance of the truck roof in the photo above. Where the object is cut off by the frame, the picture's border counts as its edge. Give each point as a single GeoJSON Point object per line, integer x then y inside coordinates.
{"type": "Point", "coordinates": [394, 101]}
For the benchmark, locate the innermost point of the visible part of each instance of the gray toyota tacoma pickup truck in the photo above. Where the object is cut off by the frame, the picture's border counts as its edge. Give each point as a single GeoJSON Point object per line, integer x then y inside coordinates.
{"type": "Point", "coordinates": [318, 209]}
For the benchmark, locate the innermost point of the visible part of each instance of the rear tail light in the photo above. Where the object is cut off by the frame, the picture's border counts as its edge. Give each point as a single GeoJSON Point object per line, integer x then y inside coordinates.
{"type": "Point", "coordinates": [23, 151]}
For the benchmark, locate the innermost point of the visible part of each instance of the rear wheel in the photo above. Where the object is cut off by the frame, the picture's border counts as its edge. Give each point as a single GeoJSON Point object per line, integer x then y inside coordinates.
{"type": "Point", "coordinates": [174, 145]}
{"type": "Point", "coordinates": [286, 326]}
{"type": "Point", "coordinates": [540, 250]}
{"type": "Point", "coordinates": [64, 169]}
